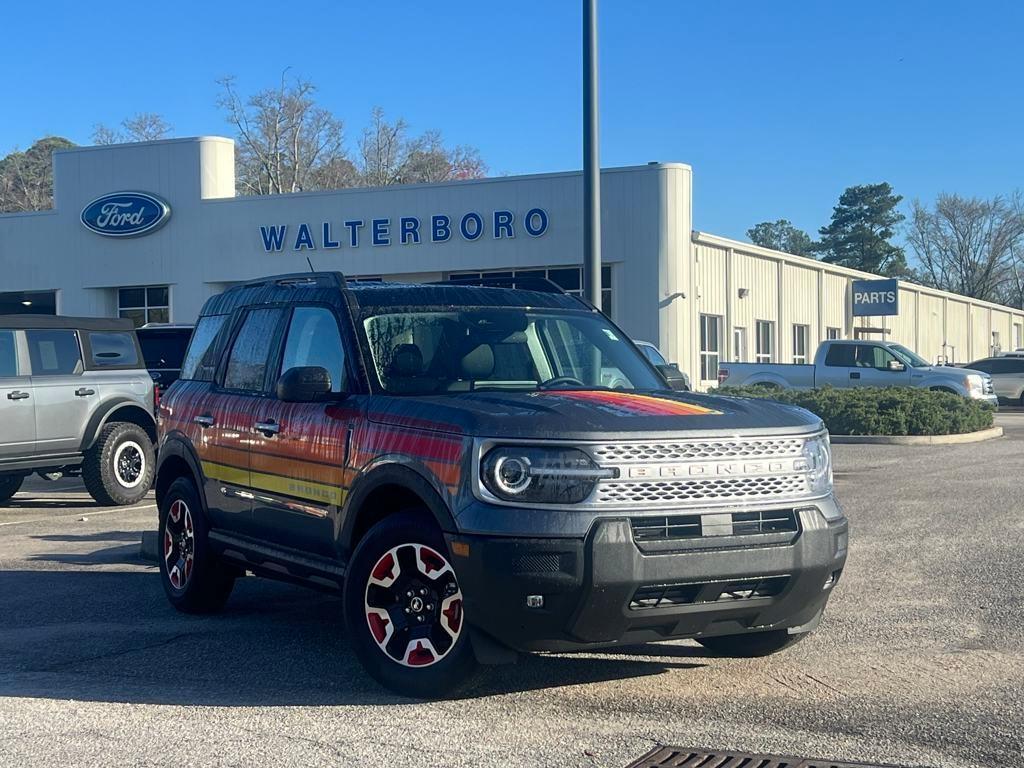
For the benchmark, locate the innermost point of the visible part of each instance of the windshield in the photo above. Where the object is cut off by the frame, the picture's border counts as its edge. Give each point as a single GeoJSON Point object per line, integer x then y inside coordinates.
{"type": "Point", "coordinates": [912, 359]}
{"type": "Point", "coordinates": [434, 351]}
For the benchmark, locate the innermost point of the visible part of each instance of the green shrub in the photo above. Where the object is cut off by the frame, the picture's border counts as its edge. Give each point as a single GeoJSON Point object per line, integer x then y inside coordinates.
{"type": "Point", "coordinates": [881, 411]}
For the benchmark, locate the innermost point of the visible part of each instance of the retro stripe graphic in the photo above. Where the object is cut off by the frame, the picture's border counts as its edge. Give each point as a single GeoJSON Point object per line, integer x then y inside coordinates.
{"type": "Point", "coordinates": [633, 404]}
{"type": "Point", "coordinates": [304, 461]}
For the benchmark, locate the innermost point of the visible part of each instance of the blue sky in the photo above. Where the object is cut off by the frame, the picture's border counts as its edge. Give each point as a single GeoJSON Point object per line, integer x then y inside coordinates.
{"type": "Point", "coordinates": [777, 106]}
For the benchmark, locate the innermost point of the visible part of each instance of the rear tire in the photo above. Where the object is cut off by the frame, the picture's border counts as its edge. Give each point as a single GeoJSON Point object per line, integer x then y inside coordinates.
{"type": "Point", "coordinates": [10, 485]}
{"type": "Point", "coordinates": [118, 469]}
{"type": "Point", "coordinates": [404, 610]}
{"type": "Point", "coordinates": [751, 645]}
{"type": "Point", "coordinates": [194, 578]}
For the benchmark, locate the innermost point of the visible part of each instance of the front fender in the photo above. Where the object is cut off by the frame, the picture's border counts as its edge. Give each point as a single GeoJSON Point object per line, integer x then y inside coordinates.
{"type": "Point", "coordinates": [176, 448]}
{"type": "Point", "coordinates": [944, 382]}
{"type": "Point", "coordinates": [396, 470]}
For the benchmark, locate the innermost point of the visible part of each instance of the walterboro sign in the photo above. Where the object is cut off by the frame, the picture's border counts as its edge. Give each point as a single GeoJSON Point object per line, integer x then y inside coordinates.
{"type": "Point", "coordinates": [126, 214]}
{"type": "Point", "coordinates": [403, 230]}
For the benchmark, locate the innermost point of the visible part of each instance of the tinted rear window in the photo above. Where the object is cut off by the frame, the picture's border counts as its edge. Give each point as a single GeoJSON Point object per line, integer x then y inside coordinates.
{"type": "Point", "coordinates": [164, 349]}
{"type": "Point", "coordinates": [113, 349]}
{"type": "Point", "coordinates": [841, 355]}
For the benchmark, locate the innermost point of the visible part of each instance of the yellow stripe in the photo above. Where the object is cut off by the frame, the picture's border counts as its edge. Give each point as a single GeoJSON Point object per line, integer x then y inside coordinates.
{"type": "Point", "coordinates": [225, 473]}
{"type": "Point", "coordinates": [286, 486]}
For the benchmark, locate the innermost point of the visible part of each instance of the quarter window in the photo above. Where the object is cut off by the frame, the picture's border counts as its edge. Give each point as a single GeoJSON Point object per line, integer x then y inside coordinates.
{"type": "Point", "coordinates": [200, 363]}
{"type": "Point", "coordinates": [314, 340]}
{"type": "Point", "coordinates": [765, 341]}
{"type": "Point", "coordinates": [113, 349]}
{"type": "Point", "coordinates": [710, 344]}
{"type": "Point", "coordinates": [800, 334]}
{"type": "Point", "coordinates": [841, 356]}
{"type": "Point", "coordinates": [8, 355]}
{"type": "Point", "coordinates": [148, 304]}
{"type": "Point", "coordinates": [54, 353]}
{"type": "Point", "coordinates": [247, 365]}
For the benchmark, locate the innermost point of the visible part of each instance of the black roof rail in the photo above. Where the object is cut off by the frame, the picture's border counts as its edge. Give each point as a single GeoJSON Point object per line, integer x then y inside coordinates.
{"type": "Point", "coordinates": [323, 279]}
{"type": "Point", "coordinates": [529, 283]}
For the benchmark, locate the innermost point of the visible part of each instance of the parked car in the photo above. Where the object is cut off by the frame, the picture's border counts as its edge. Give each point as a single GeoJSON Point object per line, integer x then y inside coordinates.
{"type": "Point", "coordinates": [75, 399]}
{"type": "Point", "coordinates": [1007, 376]}
{"type": "Point", "coordinates": [163, 348]}
{"type": "Point", "coordinates": [446, 458]}
{"type": "Point", "coordinates": [845, 364]}
{"type": "Point", "coordinates": [676, 378]}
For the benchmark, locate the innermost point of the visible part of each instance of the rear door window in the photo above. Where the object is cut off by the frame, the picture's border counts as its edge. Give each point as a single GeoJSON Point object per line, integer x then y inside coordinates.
{"type": "Point", "coordinates": [250, 354]}
{"type": "Point", "coordinates": [113, 349]}
{"type": "Point", "coordinates": [8, 355]}
{"type": "Point", "coordinates": [841, 356]}
{"type": "Point", "coordinates": [54, 353]}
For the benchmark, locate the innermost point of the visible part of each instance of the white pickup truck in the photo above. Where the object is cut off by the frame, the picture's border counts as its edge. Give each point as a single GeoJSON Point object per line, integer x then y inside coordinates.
{"type": "Point", "coordinates": [845, 364]}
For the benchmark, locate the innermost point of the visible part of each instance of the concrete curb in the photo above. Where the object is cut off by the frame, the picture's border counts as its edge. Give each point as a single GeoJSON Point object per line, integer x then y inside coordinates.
{"type": "Point", "coordinates": [148, 549]}
{"type": "Point", "coordinates": [968, 437]}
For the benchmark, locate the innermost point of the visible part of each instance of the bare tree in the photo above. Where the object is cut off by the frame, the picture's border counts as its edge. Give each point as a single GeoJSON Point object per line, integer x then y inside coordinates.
{"type": "Point", "coordinates": [388, 155]}
{"type": "Point", "coordinates": [286, 142]}
{"type": "Point", "coordinates": [143, 126]}
{"type": "Point", "coordinates": [968, 245]}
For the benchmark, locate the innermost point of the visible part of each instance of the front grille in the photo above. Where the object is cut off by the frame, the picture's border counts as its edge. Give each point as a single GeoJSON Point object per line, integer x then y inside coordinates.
{"type": "Point", "coordinates": [717, 489]}
{"type": "Point", "coordinates": [754, 448]}
{"type": "Point", "coordinates": [679, 527]}
{"type": "Point", "coordinates": [667, 595]}
{"type": "Point", "coordinates": [988, 387]}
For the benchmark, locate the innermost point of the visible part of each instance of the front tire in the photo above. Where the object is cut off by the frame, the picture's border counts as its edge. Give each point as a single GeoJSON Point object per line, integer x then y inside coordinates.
{"type": "Point", "coordinates": [194, 578]}
{"type": "Point", "coordinates": [751, 645]}
{"type": "Point", "coordinates": [118, 469]}
{"type": "Point", "coordinates": [10, 485]}
{"type": "Point", "coordinates": [404, 609]}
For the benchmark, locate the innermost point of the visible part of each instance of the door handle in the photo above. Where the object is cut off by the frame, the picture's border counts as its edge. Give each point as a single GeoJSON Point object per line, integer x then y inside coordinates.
{"type": "Point", "coordinates": [268, 428]}
{"type": "Point", "coordinates": [205, 420]}
{"type": "Point", "coordinates": [854, 374]}
{"type": "Point", "coordinates": [17, 395]}
{"type": "Point", "coordinates": [84, 392]}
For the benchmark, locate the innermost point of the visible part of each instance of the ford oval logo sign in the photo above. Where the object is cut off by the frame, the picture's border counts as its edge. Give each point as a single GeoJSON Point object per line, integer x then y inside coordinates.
{"type": "Point", "coordinates": [125, 214]}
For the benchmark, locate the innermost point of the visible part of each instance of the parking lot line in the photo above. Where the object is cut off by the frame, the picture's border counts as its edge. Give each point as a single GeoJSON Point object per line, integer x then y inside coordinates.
{"type": "Point", "coordinates": [80, 514]}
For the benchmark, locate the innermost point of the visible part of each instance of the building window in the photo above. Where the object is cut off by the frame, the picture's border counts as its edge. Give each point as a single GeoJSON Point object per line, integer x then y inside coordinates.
{"type": "Point", "coordinates": [569, 279]}
{"type": "Point", "coordinates": [1018, 336]}
{"type": "Point", "coordinates": [800, 334]}
{"type": "Point", "coordinates": [710, 344]}
{"type": "Point", "coordinates": [739, 345]}
{"type": "Point", "coordinates": [997, 346]}
{"type": "Point", "coordinates": [833, 333]}
{"type": "Point", "coordinates": [145, 305]}
{"type": "Point", "coordinates": [765, 342]}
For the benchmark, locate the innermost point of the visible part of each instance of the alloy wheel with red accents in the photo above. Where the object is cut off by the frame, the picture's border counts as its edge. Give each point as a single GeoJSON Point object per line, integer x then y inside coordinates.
{"type": "Point", "coordinates": [179, 544]}
{"type": "Point", "coordinates": [194, 577]}
{"type": "Point", "coordinates": [413, 605]}
{"type": "Point", "coordinates": [405, 611]}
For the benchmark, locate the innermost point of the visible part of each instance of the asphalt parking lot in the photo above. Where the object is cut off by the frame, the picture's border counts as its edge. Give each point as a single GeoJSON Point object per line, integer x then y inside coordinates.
{"type": "Point", "coordinates": [919, 661]}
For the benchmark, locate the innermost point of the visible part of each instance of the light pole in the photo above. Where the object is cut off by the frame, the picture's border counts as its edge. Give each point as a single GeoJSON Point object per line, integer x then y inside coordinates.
{"type": "Point", "coordinates": [591, 160]}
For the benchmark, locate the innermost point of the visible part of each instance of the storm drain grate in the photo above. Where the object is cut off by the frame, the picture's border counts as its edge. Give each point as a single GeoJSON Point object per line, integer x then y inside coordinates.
{"type": "Point", "coordinates": [678, 757]}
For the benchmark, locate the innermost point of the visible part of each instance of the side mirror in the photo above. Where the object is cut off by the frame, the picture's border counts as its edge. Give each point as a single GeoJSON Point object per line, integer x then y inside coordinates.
{"type": "Point", "coordinates": [896, 365]}
{"type": "Point", "coordinates": [304, 385]}
{"type": "Point", "coordinates": [675, 378]}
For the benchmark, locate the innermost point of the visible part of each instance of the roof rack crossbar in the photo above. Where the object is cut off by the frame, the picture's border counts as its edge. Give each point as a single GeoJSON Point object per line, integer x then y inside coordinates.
{"type": "Point", "coordinates": [326, 279]}
{"type": "Point", "coordinates": [532, 283]}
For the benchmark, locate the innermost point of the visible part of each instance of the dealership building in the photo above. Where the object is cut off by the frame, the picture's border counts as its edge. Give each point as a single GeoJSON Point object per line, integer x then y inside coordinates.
{"type": "Point", "coordinates": [151, 230]}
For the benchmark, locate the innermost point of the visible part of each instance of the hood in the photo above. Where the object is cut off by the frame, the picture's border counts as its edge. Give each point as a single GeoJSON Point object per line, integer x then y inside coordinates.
{"type": "Point", "coordinates": [951, 371]}
{"type": "Point", "coordinates": [589, 414]}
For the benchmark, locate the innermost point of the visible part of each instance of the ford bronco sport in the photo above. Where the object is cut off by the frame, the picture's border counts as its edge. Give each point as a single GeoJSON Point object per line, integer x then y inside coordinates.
{"type": "Point", "coordinates": [75, 398]}
{"type": "Point", "coordinates": [446, 458]}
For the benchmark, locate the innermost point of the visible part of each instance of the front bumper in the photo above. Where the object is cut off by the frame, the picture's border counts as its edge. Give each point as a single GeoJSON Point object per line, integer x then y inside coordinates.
{"type": "Point", "coordinates": [590, 586]}
{"type": "Point", "coordinates": [991, 399]}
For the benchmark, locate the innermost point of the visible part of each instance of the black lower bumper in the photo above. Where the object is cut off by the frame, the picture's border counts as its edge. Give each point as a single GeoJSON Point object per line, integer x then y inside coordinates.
{"type": "Point", "coordinates": [607, 590]}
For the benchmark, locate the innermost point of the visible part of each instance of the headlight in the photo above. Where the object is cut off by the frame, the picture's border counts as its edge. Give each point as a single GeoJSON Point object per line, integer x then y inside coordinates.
{"type": "Point", "coordinates": [540, 475]}
{"type": "Point", "coordinates": [818, 455]}
{"type": "Point", "coordinates": [974, 383]}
